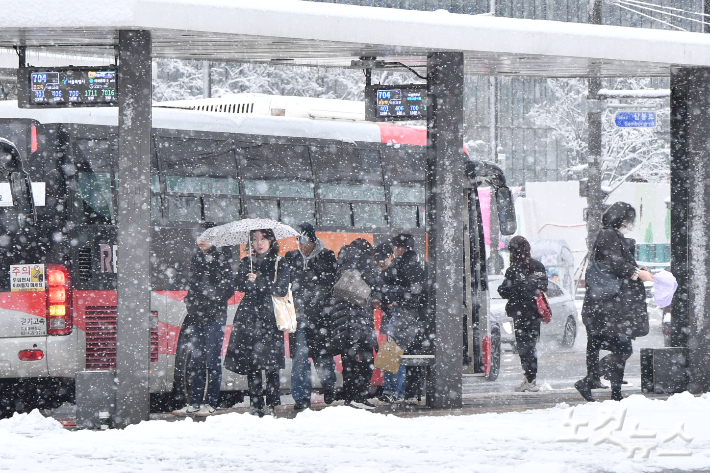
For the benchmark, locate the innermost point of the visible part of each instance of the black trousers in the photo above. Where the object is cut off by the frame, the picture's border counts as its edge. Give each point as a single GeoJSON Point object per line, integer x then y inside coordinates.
{"type": "Point", "coordinates": [614, 364]}
{"type": "Point", "coordinates": [256, 391]}
{"type": "Point", "coordinates": [357, 373]}
{"type": "Point", "coordinates": [527, 333]}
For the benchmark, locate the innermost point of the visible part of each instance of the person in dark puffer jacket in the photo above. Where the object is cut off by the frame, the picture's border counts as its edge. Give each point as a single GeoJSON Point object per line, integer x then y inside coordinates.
{"type": "Point", "coordinates": [353, 327]}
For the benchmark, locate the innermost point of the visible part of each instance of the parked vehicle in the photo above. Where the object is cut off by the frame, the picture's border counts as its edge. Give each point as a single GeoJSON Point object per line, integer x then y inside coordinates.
{"type": "Point", "coordinates": [562, 328]}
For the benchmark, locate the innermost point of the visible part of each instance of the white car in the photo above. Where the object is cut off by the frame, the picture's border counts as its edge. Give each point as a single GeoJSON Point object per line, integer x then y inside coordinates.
{"type": "Point", "coordinates": [563, 326]}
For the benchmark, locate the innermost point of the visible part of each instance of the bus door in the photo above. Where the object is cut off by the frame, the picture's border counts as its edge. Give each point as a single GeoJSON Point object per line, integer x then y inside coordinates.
{"type": "Point", "coordinates": [476, 326]}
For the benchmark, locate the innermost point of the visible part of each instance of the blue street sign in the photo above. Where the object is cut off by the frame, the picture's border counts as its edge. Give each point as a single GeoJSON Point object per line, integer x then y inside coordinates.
{"type": "Point", "coordinates": [635, 119]}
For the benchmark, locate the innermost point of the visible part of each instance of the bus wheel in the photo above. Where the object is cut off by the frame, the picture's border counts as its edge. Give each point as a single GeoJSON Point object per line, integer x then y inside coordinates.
{"type": "Point", "coordinates": [182, 384]}
{"type": "Point", "coordinates": [495, 354]}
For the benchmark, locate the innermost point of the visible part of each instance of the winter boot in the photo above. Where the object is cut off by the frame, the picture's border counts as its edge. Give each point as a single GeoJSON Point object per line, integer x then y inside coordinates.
{"type": "Point", "coordinates": [584, 389]}
{"type": "Point", "coordinates": [598, 384]}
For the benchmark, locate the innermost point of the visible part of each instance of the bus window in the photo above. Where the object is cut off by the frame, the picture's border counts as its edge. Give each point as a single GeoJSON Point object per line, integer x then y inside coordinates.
{"type": "Point", "coordinates": [94, 199]}
{"type": "Point", "coordinates": [369, 215]}
{"type": "Point", "coordinates": [333, 162]}
{"type": "Point", "coordinates": [407, 194]}
{"type": "Point", "coordinates": [184, 209]}
{"type": "Point", "coordinates": [407, 216]}
{"type": "Point", "coordinates": [286, 208]}
{"type": "Point", "coordinates": [275, 161]}
{"type": "Point", "coordinates": [335, 214]}
{"type": "Point", "coordinates": [352, 192]}
{"type": "Point", "coordinates": [278, 188]}
{"type": "Point", "coordinates": [195, 157]}
{"type": "Point", "coordinates": [156, 210]}
{"type": "Point", "coordinates": [404, 164]}
{"type": "Point", "coordinates": [294, 212]}
{"type": "Point", "coordinates": [258, 208]}
{"type": "Point", "coordinates": [202, 185]}
{"type": "Point", "coordinates": [221, 209]}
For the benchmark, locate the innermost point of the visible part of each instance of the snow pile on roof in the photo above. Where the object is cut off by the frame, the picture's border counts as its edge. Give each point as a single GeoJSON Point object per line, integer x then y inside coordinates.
{"type": "Point", "coordinates": [344, 439]}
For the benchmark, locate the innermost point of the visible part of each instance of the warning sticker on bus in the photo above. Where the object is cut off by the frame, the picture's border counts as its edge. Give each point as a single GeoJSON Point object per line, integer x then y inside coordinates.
{"type": "Point", "coordinates": [26, 277]}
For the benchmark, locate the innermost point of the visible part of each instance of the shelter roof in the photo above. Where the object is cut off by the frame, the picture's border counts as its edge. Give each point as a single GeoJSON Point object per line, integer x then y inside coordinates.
{"type": "Point", "coordinates": [313, 33]}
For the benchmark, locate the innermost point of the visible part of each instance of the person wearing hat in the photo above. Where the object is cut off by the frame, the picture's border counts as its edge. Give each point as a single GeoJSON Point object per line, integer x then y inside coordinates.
{"type": "Point", "coordinates": [406, 278]}
{"type": "Point", "coordinates": [312, 278]}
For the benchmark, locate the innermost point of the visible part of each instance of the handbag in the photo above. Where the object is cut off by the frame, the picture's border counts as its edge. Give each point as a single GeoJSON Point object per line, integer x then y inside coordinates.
{"type": "Point", "coordinates": [352, 288]}
{"type": "Point", "coordinates": [387, 358]}
{"type": "Point", "coordinates": [284, 307]}
{"type": "Point", "coordinates": [543, 307]}
{"type": "Point", "coordinates": [602, 283]}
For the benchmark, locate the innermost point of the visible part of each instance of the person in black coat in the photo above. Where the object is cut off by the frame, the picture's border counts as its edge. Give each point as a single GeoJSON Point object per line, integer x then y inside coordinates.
{"type": "Point", "coordinates": [312, 278]}
{"type": "Point", "coordinates": [404, 312]}
{"type": "Point", "coordinates": [523, 280]}
{"type": "Point", "coordinates": [353, 326]}
{"type": "Point", "coordinates": [256, 343]}
{"type": "Point", "coordinates": [210, 286]}
{"type": "Point", "coordinates": [612, 323]}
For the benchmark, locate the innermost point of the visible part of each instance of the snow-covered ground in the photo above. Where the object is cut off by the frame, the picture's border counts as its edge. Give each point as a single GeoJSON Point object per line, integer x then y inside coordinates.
{"type": "Point", "coordinates": [341, 439]}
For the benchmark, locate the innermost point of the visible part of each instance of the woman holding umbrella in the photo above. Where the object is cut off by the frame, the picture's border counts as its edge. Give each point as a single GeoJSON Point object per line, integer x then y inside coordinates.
{"type": "Point", "coordinates": [257, 343]}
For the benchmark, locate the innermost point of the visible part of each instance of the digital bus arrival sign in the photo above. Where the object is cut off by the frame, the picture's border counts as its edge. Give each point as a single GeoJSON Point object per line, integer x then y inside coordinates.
{"type": "Point", "coordinates": [395, 102]}
{"type": "Point", "coordinates": [67, 87]}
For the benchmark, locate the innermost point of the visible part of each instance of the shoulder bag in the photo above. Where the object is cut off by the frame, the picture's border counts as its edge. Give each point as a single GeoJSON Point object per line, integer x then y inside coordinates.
{"type": "Point", "coordinates": [543, 307]}
{"type": "Point", "coordinates": [284, 308]}
{"type": "Point", "coordinates": [602, 284]}
{"type": "Point", "coordinates": [352, 288]}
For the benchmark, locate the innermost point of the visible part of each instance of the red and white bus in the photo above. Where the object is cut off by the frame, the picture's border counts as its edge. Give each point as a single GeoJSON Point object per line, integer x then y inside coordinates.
{"type": "Point", "coordinates": [354, 179]}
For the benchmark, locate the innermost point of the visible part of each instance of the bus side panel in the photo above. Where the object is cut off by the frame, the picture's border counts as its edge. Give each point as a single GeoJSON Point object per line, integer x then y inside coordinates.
{"type": "Point", "coordinates": [23, 314]}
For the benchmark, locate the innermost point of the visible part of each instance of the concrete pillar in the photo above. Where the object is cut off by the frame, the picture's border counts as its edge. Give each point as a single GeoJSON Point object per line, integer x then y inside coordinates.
{"type": "Point", "coordinates": [133, 221]}
{"type": "Point", "coordinates": [690, 228]}
{"type": "Point", "coordinates": [445, 174]}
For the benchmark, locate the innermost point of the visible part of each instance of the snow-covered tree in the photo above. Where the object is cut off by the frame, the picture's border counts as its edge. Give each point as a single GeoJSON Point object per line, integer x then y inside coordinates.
{"type": "Point", "coordinates": [180, 80]}
{"type": "Point", "coordinates": [628, 153]}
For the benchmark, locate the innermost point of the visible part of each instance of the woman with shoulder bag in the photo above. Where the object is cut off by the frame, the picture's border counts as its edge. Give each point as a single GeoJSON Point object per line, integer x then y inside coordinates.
{"type": "Point", "coordinates": [257, 343]}
{"type": "Point", "coordinates": [523, 280]}
{"type": "Point", "coordinates": [616, 315]}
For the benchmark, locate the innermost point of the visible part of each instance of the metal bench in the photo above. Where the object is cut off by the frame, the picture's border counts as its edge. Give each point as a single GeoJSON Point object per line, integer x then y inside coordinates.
{"type": "Point", "coordinates": [423, 363]}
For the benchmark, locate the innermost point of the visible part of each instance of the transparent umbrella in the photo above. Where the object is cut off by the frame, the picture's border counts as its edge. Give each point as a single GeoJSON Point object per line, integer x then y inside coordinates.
{"type": "Point", "coordinates": [237, 232]}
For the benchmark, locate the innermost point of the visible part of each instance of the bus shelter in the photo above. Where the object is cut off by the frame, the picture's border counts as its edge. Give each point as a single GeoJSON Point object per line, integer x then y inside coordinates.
{"type": "Point", "coordinates": [447, 47]}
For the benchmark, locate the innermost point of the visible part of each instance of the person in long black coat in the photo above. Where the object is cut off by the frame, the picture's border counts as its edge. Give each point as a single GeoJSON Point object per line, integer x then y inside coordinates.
{"type": "Point", "coordinates": [353, 327]}
{"type": "Point", "coordinates": [523, 280]}
{"type": "Point", "coordinates": [312, 278]}
{"type": "Point", "coordinates": [210, 286]}
{"type": "Point", "coordinates": [612, 323]}
{"type": "Point", "coordinates": [256, 343]}
{"type": "Point", "coordinates": [404, 281]}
